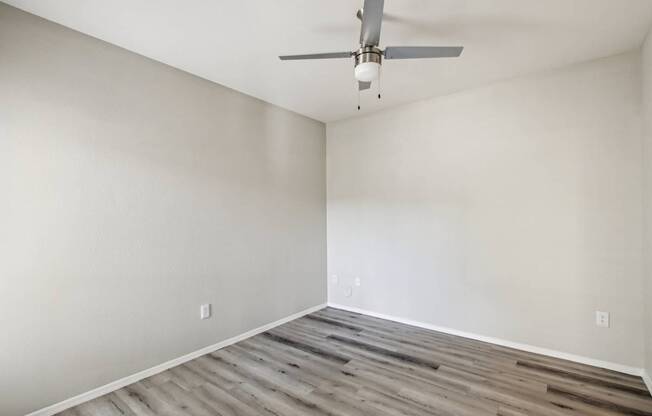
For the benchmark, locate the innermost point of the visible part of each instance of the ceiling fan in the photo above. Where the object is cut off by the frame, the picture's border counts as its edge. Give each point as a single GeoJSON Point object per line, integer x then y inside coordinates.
{"type": "Point", "coordinates": [368, 57]}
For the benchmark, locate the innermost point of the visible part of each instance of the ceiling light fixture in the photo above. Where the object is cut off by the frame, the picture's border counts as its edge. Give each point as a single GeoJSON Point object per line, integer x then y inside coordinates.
{"type": "Point", "coordinates": [367, 64]}
{"type": "Point", "coordinates": [367, 71]}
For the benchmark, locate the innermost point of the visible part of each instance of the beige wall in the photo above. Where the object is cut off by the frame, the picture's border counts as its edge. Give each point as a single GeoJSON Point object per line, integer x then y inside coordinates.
{"type": "Point", "coordinates": [511, 211]}
{"type": "Point", "coordinates": [647, 193]}
{"type": "Point", "coordinates": [130, 194]}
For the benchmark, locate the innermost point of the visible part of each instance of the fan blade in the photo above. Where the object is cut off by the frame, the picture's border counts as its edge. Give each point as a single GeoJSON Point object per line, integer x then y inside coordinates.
{"type": "Point", "coordinates": [372, 19]}
{"type": "Point", "coordinates": [412, 52]}
{"type": "Point", "coordinates": [329, 55]}
{"type": "Point", "coordinates": [363, 85]}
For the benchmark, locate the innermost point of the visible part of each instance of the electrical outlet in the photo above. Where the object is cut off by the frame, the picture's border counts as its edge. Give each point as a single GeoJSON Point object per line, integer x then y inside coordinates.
{"type": "Point", "coordinates": [358, 282]}
{"type": "Point", "coordinates": [348, 291]}
{"type": "Point", "coordinates": [205, 311]}
{"type": "Point", "coordinates": [602, 319]}
{"type": "Point", "coordinates": [334, 279]}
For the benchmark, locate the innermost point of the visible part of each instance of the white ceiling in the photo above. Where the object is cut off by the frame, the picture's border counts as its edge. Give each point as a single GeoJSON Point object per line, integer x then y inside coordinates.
{"type": "Point", "coordinates": [236, 42]}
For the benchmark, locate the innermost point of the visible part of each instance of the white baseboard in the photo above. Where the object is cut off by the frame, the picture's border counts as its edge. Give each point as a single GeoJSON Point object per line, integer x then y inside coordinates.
{"type": "Point", "coordinates": [118, 384]}
{"type": "Point", "coordinates": [523, 347]}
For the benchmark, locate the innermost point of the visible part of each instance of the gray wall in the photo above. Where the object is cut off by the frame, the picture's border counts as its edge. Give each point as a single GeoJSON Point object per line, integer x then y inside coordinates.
{"type": "Point", "coordinates": [512, 211]}
{"type": "Point", "coordinates": [647, 193]}
{"type": "Point", "coordinates": [130, 194]}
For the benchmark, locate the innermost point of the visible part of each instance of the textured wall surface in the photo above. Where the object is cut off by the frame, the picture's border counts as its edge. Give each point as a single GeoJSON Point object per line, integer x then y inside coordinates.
{"type": "Point", "coordinates": [646, 65]}
{"type": "Point", "coordinates": [131, 193]}
{"type": "Point", "coordinates": [512, 211]}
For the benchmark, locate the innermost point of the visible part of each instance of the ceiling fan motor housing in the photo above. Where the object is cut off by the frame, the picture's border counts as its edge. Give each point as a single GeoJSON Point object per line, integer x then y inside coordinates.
{"type": "Point", "coordinates": [368, 54]}
{"type": "Point", "coordinates": [367, 63]}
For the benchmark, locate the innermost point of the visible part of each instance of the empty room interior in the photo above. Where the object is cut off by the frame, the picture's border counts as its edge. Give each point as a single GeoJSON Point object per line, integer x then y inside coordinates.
{"type": "Point", "coordinates": [327, 207]}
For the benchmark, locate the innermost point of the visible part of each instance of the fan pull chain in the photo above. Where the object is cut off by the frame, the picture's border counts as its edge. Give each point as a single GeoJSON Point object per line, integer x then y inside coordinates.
{"type": "Point", "coordinates": [380, 72]}
{"type": "Point", "coordinates": [358, 98]}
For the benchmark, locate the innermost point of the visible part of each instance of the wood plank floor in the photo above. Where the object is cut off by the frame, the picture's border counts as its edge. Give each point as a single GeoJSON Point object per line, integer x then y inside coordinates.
{"type": "Point", "coordinates": [334, 362]}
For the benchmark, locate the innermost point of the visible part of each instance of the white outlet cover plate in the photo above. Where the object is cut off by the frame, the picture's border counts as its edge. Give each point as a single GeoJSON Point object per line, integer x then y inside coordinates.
{"type": "Point", "coordinates": [205, 311]}
{"type": "Point", "coordinates": [602, 319]}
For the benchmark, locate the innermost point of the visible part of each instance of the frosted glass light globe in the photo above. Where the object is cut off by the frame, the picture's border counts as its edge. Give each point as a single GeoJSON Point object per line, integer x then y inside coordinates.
{"type": "Point", "coordinates": [367, 71]}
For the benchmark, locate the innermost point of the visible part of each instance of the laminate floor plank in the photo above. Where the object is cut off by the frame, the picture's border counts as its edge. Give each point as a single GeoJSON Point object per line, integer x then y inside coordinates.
{"type": "Point", "coordinates": [147, 401]}
{"type": "Point", "coordinates": [340, 363]}
{"type": "Point", "coordinates": [224, 403]}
